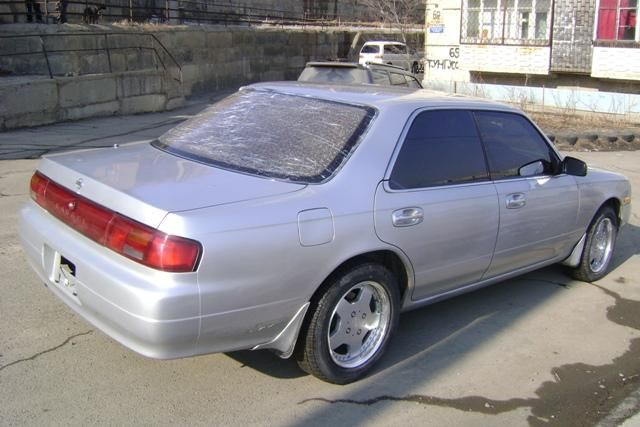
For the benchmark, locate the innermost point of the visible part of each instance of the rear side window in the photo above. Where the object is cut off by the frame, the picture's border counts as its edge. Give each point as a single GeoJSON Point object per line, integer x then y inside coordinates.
{"type": "Point", "coordinates": [395, 49]}
{"type": "Point", "coordinates": [511, 141]}
{"type": "Point", "coordinates": [441, 148]}
{"type": "Point", "coordinates": [271, 134]}
{"type": "Point", "coordinates": [370, 48]}
{"type": "Point", "coordinates": [398, 79]}
{"type": "Point", "coordinates": [380, 77]}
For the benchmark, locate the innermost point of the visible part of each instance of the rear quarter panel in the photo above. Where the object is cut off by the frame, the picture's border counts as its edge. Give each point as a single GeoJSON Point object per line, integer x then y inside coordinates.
{"type": "Point", "coordinates": [253, 259]}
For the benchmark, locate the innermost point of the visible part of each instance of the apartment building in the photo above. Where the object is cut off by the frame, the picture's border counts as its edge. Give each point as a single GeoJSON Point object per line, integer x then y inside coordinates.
{"type": "Point", "coordinates": [550, 43]}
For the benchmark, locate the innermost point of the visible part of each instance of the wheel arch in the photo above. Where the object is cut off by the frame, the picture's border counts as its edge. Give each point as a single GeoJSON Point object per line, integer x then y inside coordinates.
{"type": "Point", "coordinates": [616, 205]}
{"type": "Point", "coordinates": [385, 257]}
{"type": "Point", "coordinates": [399, 268]}
{"type": "Point", "coordinates": [573, 259]}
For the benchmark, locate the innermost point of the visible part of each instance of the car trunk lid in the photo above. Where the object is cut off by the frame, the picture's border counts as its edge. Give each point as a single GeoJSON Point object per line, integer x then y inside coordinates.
{"type": "Point", "coordinates": [145, 183]}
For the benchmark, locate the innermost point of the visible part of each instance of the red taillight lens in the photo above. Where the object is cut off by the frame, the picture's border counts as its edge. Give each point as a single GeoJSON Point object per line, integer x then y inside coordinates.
{"type": "Point", "coordinates": [125, 236]}
{"type": "Point", "coordinates": [38, 186]}
{"type": "Point", "coordinates": [172, 253]}
{"type": "Point", "coordinates": [129, 238]}
{"type": "Point", "coordinates": [91, 220]}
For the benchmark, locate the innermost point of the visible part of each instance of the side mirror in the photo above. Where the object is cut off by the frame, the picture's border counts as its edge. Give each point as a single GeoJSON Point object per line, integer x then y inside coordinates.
{"type": "Point", "coordinates": [573, 166]}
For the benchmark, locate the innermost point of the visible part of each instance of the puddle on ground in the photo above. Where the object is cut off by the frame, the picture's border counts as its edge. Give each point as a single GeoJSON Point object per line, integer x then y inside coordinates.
{"type": "Point", "coordinates": [580, 395]}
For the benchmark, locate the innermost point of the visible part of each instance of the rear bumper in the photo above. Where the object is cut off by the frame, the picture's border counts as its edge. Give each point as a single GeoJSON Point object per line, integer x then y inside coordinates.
{"type": "Point", "coordinates": [153, 313]}
{"type": "Point", "coordinates": [156, 314]}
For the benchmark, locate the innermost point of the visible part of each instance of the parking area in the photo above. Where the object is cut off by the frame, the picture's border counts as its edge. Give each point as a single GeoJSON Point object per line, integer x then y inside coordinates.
{"type": "Point", "coordinates": [540, 349]}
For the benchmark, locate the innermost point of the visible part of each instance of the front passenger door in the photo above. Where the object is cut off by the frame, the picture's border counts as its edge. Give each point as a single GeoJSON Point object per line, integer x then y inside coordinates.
{"type": "Point", "coordinates": [538, 205]}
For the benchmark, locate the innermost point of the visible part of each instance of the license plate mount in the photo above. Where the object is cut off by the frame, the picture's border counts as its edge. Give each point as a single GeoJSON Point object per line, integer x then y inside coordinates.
{"type": "Point", "coordinates": [65, 275]}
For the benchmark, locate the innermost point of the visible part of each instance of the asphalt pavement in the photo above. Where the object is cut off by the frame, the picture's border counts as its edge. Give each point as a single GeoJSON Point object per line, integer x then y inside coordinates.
{"type": "Point", "coordinates": [540, 349]}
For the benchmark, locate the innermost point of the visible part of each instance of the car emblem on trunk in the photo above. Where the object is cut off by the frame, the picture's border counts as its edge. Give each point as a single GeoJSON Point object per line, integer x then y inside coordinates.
{"type": "Point", "coordinates": [79, 183]}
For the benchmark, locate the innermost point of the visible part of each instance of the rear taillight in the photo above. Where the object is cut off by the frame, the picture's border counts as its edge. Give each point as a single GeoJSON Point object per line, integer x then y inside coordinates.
{"type": "Point", "coordinates": [123, 235]}
{"type": "Point", "coordinates": [38, 186]}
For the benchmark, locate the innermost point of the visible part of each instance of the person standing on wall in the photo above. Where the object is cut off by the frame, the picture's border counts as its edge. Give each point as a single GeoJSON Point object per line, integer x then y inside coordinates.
{"type": "Point", "coordinates": [31, 7]}
{"type": "Point", "coordinates": [61, 7]}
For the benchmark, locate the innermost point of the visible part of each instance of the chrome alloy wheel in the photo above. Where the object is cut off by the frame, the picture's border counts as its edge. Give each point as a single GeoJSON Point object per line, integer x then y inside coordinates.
{"type": "Point", "coordinates": [601, 245]}
{"type": "Point", "coordinates": [359, 324]}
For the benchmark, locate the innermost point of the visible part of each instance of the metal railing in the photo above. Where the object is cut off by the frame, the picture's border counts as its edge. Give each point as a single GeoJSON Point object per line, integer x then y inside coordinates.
{"type": "Point", "coordinates": [191, 11]}
{"type": "Point", "coordinates": [163, 56]}
{"type": "Point", "coordinates": [168, 11]}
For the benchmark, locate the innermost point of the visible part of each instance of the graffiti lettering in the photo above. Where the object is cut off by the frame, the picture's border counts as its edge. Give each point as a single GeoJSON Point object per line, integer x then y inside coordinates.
{"type": "Point", "coordinates": [442, 64]}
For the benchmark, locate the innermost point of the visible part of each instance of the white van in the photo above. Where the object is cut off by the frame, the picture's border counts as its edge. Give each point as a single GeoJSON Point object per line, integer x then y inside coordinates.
{"type": "Point", "coordinates": [388, 52]}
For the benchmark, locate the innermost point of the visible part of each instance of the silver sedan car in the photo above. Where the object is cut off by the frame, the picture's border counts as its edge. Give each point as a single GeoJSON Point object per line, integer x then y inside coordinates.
{"type": "Point", "coordinates": [303, 218]}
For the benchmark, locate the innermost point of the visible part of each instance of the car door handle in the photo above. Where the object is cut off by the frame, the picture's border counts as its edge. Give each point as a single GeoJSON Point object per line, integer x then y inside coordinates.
{"type": "Point", "coordinates": [407, 216]}
{"type": "Point", "coordinates": [516, 201]}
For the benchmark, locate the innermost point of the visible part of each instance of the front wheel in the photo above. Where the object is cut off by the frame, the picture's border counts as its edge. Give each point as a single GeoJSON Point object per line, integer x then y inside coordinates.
{"type": "Point", "coordinates": [598, 248]}
{"type": "Point", "coordinates": [350, 327]}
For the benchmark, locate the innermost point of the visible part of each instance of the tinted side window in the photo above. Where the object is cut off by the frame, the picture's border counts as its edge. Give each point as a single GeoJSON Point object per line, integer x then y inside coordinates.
{"type": "Point", "coordinates": [380, 77]}
{"type": "Point", "coordinates": [390, 49]}
{"type": "Point", "coordinates": [511, 142]}
{"type": "Point", "coordinates": [370, 49]}
{"type": "Point", "coordinates": [395, 49]}
{"type": "Point", "coordinates": [441, 147]}
{"type": "Point", "coordinates": [398, 79]}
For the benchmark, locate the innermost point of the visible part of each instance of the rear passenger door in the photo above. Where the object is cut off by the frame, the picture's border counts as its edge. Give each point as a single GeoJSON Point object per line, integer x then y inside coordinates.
{"type": "Point", "coordinates": [538, 204]}
{"type": "Point", "coordinates": [438, 204]}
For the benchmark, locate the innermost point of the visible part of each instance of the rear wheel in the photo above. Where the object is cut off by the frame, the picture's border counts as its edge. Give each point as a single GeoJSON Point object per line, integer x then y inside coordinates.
{"type": "Point", "coordinates": [350, 327]}
{"type": "Point", "coordinates": [598, 248]}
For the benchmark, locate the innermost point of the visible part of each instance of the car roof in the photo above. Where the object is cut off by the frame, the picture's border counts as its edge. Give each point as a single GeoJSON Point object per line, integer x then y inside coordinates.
{"type": "Point", "coordinates": [382, 97]}
{"type": "Point", "coordinates": [387, 66]}
{"type": "Point", "coordinates": [333, 64]}
{"type": "Point", "coordinates": [383, 42]}
{"type": "Point", "coordinates": [338, 64]}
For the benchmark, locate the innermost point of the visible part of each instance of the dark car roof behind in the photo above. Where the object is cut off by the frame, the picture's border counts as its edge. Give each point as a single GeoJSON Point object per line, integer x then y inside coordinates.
{"type": "Point", "coordinates": [333, 64]}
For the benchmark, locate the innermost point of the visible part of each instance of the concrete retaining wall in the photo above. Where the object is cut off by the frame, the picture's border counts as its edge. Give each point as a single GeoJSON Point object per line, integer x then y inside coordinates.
{"type": "Point", "coordinates": [32, 100]}
{"type": "Point", "coordinates": [131, 72]}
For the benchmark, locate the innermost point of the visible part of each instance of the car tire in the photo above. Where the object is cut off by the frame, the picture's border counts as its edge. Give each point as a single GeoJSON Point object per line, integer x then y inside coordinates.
{"type": "Point", "coordinates": [599, 245]}
{"type": "Point", "coordinates": [350, 325]}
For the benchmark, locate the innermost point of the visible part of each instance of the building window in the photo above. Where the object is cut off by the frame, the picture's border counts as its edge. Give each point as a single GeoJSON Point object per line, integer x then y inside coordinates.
{"type": "Point", "coordinates": [617, 20]}
{"type": "Point", "coordinates": [506, 21]}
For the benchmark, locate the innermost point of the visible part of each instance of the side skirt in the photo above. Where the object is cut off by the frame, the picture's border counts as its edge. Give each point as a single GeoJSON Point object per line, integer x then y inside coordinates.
{"type": "Point", "coordinates": [411, 305]}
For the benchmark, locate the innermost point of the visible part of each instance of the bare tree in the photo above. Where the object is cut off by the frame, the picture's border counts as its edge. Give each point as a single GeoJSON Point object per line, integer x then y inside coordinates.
{"type": "Point", "coordinates": [400, 14]}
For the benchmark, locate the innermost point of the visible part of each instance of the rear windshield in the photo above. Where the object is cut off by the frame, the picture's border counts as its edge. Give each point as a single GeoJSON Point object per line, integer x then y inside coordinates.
{"type": "Point", "coordinates": [334, 75]}
{"type": "Point", "coordinates": [270, 134]}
